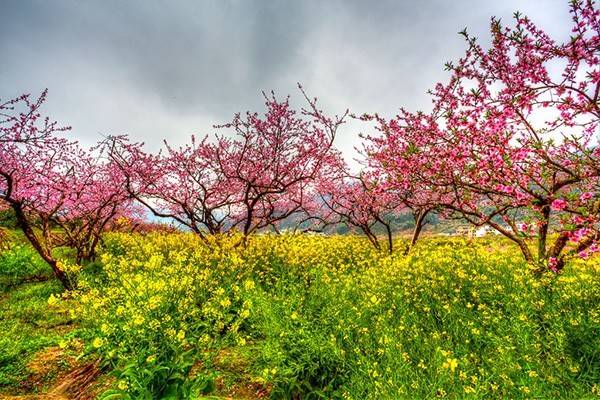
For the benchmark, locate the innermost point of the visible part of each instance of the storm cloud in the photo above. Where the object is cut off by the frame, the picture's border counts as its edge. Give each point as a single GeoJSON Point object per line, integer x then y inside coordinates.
{"type": "Point", "coordinates": [159, 70]}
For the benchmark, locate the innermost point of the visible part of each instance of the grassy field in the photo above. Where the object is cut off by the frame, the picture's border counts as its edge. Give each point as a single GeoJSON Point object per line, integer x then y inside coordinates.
{"type": "Point", "coordinates": [166, 316]}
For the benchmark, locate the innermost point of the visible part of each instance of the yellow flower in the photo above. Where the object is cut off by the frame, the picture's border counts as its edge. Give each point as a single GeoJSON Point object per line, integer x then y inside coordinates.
{"type": "Point", "coordinates": [451, 364]}
{"type": "Point", "coordinates": [225, 303]}
{"type": "Point", "coordinates": [97, 342]}
{"type": "Point", "coordinates": [52, 300]}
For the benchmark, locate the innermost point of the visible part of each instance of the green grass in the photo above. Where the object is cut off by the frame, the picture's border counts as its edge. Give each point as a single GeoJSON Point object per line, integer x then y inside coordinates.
{"type": "Point", "coordinates": [20, 263]}
{"type": "Point", "coordinates": [27, 327]}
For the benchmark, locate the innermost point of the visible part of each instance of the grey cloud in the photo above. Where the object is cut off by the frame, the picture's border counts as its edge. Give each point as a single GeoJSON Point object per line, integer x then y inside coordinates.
{"type": "Point", "coordinates": [158, 69]}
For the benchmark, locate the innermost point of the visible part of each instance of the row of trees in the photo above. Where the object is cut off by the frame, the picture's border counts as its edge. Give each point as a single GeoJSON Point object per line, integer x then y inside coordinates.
{"type": "Point", "coordinates": [511, 142]}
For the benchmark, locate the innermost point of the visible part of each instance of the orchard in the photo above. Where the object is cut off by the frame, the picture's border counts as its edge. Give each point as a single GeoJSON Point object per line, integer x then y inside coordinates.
{"type": "Point", "coordinates": [261, 242]}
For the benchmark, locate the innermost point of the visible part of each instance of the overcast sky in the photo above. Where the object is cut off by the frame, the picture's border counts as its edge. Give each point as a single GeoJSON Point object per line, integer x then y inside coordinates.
{"type": "Point", "coordinates": [169, 69]}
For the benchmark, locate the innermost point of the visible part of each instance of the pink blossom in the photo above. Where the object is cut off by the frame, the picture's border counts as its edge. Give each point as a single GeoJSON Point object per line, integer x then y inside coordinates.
{"type": "Point", "coordinates": [559, 204]}
{"type": "Point", "coordinates": [553, 264]}
{"type": "Point", "coordinates": [586, 196]}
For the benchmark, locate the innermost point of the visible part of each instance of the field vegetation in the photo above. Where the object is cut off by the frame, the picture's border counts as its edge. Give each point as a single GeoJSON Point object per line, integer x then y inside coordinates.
{"type": "Point", "coordinates": [298, 316]}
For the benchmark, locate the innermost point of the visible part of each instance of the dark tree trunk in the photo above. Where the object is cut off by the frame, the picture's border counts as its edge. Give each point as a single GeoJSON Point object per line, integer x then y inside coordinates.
{"type": "Point", "coordinates": [389, 238]}
{"type": "Point", "coordinates": [46, 256]}
{"type": "Point", "coordinates": [543, 233]}
{"type": "Point", "coordinates": [419, 223]}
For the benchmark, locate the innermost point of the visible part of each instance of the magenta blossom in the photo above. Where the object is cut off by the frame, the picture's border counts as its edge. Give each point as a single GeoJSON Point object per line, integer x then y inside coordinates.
{"type": "Point", "coordinates": [586, 196]}
{"type": "Point", "coordinates": [559, 204]}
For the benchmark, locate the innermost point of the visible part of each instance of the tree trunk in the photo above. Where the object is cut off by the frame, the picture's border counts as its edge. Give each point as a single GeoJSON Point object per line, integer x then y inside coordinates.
{"type": "Point", "coordinates": [46, 256]}
{"type": "Point", "coordinates": [372, 238]}
{"type": "Point", "coordinates": [543, 233]}
{"type": "Point", "coordinates": [389, 238]}
{"type": "Point", "coordinates": [419, 223]}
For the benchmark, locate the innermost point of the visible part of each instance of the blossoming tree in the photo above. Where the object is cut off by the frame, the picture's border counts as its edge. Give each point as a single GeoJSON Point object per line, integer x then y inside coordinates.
{"type": "Point", "coordinates": [511, 140]}
{"type": "Point", "coordinates": [400, 156]}
{"type": "Point", "coordinates": [358, 200]}
{"type": "Point", "coordinates": [252, 179]}
{"type": "Point", "coordinates": [61, 195]}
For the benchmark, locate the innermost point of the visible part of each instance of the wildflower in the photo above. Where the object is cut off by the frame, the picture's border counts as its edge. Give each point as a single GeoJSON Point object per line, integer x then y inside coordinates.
{"type": "Point", "coordinates": [97, 343]}
{"type": "Point", "coordinates": [522, 317]}
{"type": "Point", "coordinates": [574, 369]}
{"type": "Point", "coordinates": [225, 303]}
{"type": "Point", "coordinates": [451, 364]}
{"type": "Point", "coordinates": [153, 302]}
{"type": "Point", "coordinates": [52, 300]}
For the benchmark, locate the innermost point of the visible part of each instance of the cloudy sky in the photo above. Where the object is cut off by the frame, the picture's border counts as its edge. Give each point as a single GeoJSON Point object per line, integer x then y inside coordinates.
{"type": "Point", "coordinates": [168, 69]}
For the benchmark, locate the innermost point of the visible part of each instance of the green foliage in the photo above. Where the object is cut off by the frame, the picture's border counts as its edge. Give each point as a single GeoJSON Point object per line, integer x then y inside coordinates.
{"type": "Point", "coordinates": [27, 326]}
{"type": "Point", "coordinates": [8, 219]}
{"type": "Point", "coordinates": [161, 379]}
{"type": "Point", "coordinates": [20, 263]}
{"type": "Point", "coordinates": [395, 329]}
